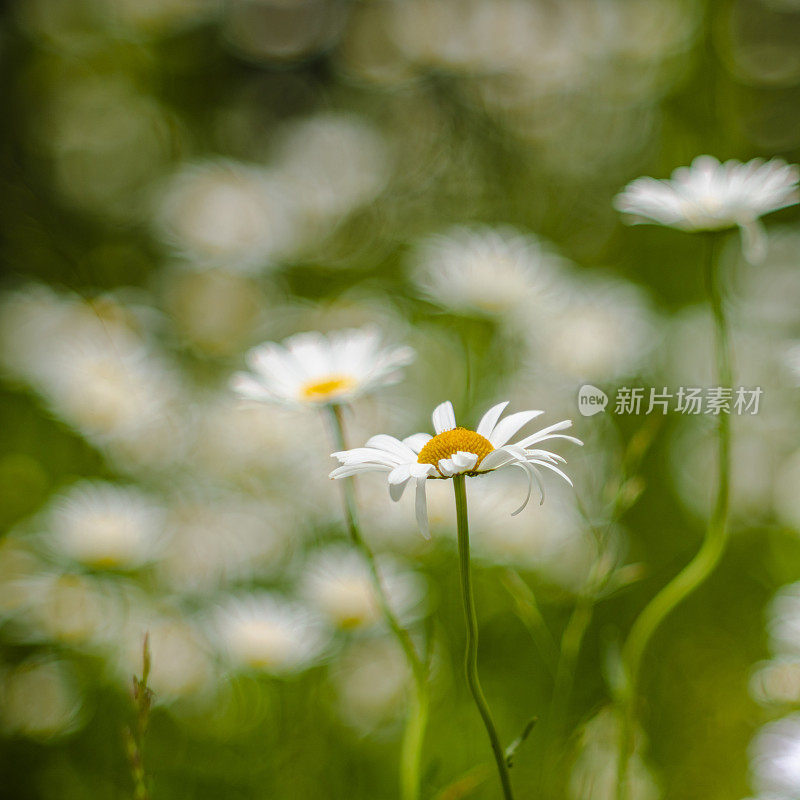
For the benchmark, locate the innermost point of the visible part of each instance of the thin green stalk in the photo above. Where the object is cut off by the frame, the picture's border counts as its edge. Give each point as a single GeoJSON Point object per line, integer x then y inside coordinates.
{"type": "Point", "coordinates": [707, 558]}
{"type": "Point", "coordinates": [134, 735]}
{"type": "Point", "coordinates": [417, 718]}
{"type": "Point", "coordinates": [471, 656]}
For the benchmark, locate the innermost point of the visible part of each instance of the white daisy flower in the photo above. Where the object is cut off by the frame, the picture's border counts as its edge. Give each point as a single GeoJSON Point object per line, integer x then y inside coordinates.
{"type": "Point", "coordinates": [337, 582]}
{"type": "Point", "coordinates": [776, 682]}
{"type": "Point", "coordinates": [312, 369]}
{"type": "Point", "coordinates": [330, 164]}
{"type": "Point", "coordinates": [39, 698]}
{"type": "Point", "coordinates": [775, 759]}
{"type": "Point", "coordinates": [226, 214]}
{"type": "Point", "coordinates": [371, 679]}
{"type": "Point", "coordinates": [491, 271]}
{"type": "Point", "coordinates": [454, 451]}
{"type": "Point", "coordinates": [784, 620]}
{"type": "Point", "coordinates": [709, 196]}
{"type": "Point", "coordinates": [104, 525]}
{"type": "Point", "coordinates": [268, 633]}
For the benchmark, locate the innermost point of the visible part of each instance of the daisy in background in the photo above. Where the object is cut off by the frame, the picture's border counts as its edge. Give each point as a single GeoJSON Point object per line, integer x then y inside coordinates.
{"type": "Point", "coordinates": [710, 196]}
{"type": "Point", "coordinates": [337, 582]}
{"type": "Point", "coordinates": [312, 369]}
{"type": "Point", "coordinates": [105, 526]}
{"type": "Point", "coordinates": [455, 451]}
{"type": "Point", "coordinates": [268, 633]}
{"type": "Point", "coordinates": [486, 271]}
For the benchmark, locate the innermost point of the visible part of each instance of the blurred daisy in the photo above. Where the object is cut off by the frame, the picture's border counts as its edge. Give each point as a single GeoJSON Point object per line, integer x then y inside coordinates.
{"type": "Point", "coordinates": [271, 634]}
{"type": "Point", "coordinates": [775, 759]}
{"type": "Point", "coordinates": [598, 330]}
{"type": "Point", "coordinates": [371, 680]}
{"type": "Point", "coordinates": [777, 681]}
{"type": "Point", "coordinates": [491, 271]}
{"type": "Point", "coordinates": [784, 620]}
{"type": "Point", "coordinates": [594, 773]}
{"type": "Point", "coordinates": [337, 582]}
{"type": "Point", "coordinates": [454, 451]}
{"type": "Point", "coordinates": [330, 164]}
{"type": "Point", "coordinates": [709, 196]}
{"type": "Point", "coordinates": [106, 526]}
{"type": "Point", "coordinates": [182, 664]}
{"type": "Point", "coordinates": [313, 369]}
{"type": "Point", "coordinates": [225, 214]}
{"type": "Point", "coordinates": [39, 698]}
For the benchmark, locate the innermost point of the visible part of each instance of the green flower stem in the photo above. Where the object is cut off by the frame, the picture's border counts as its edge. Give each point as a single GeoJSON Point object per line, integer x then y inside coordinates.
{"type": "Point", "coordinates": [707, 558]}
{"type": "Point", "coordinates": [417, 718]}
{"type": "Point", "coordinates": [471, 657]}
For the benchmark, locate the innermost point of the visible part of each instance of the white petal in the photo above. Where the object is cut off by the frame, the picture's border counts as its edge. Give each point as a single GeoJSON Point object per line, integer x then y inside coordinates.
{"type": "Point", "coordinates": [369, 455]}
{"type": "Point", "coordinates": [396, 489]}
{"type": "Point", "coordinates": [464, 461]}
{"type": "Point", "coordinates": [544, 433]}
{"type": "Point", "coordinates": [247, 386]}
{"type": "Point", "coordinates": [354, 469]}
{"type": "Point", "coordinates": [528, 470]}
{"type": "Point", "coordinates": [421, 508]}
{"type": "Point", "coordinates": [499, 458]}
{"type": "Point", "coordinates": [489, 419]}
{"type": "Point", "coordinates": [399, 474]}
{"type": "Point", "coordinates": [447, 467]}
{"type": "Point", "coordinates": [552, 469]}
{"type": "Point", "coordinates": [391, 445]}
{"type": "Point", "coordinates": [505, 429]}
{"type": "Point", "coordinates": [444, 418]}
{"type": "Point", "coordinates": [417, 441]}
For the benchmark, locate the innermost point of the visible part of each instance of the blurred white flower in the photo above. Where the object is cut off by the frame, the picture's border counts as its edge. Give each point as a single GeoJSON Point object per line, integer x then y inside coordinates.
{"type": "Point", "coordinates": [709, 196]}
{"type": "Point", "coordinates": [775, 759]}
{"type": "Point", "coordinates": [104, 525]}
{"type": "Point", "coordinates": [215, 311]}
{"type": "Point", "coordinates": [39, 698]}
{"type": "Point", "coordinates": [491, 271]}
{"type": "Point", "coordinates": [223, 539]}
{"type": "Point", "coordinates": [181, 663]}
{"type": "Point", "coordinates": [371, 678]}
{"type": "Point", "coordinates": [277, 31]}
{"type": "Point", "coordinates": [555, 542]}
{"type": "Point", "coordinates": [227, 215]}
{"type": "Point", "coordinates": [786, 501]}
{"type": "Point", "coordinates": [784, 620]}
{"type": "Point", "coordinates": [330, 164]}
{"type": "Point", "coordinates": [594, 774]}
{"type": "Point", "coordinates": [268, 633]}
{"type": "Point", "coordinates": [455, 451]}
{"type": "Point", "coordinates": [337, 582]}
{"type": "Point", "coordinates": [597, 330]}
{"type": "Point", "coordinates": [79, 611]}
{"type": "Point", "coordinates": [777, 681]}
{"type": "Point", "coordinates": [314, 369]}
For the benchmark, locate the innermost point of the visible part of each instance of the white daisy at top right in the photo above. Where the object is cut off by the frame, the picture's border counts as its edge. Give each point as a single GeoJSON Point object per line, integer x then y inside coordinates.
{"type": "Point", "coordinates": [710, 196]}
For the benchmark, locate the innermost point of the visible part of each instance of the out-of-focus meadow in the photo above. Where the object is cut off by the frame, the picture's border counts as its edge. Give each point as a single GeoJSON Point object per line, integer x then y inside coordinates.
{"type": "Point", "coordinates": [184, 179]}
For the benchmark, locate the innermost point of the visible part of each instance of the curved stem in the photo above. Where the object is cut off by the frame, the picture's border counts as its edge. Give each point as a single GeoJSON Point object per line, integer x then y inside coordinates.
{"type": "Point", "coordinates": [707, 558]}
{"type": "Point", "coordinates": [471, 656]}
{"type": "Point", "coordinates": [417, 719]}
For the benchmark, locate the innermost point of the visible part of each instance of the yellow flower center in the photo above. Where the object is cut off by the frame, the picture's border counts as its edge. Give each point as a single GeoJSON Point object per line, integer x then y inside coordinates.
{"type": "Point", "coordinates": [446, 444]}
{"type": "Point", "coordinates": [330, 387]}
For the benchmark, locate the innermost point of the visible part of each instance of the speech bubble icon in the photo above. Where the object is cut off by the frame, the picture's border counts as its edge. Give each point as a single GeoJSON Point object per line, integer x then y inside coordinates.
{"type": "Point", "coordinates": [591, 400]}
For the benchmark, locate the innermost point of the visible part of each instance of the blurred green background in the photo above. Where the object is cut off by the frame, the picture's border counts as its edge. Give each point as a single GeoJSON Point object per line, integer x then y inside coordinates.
{"type": "Point", "coordinates": [204, 175]}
